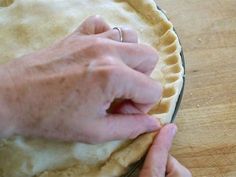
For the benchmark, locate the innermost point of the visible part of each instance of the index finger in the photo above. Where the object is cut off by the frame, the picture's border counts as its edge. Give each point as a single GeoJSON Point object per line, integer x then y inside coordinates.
{"type": "Point", "coordinates": [156, 160]}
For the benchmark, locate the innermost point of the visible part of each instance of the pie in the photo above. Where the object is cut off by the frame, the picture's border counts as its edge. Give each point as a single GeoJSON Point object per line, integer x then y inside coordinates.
{"type": "Point", "coordinates": [28, 25]}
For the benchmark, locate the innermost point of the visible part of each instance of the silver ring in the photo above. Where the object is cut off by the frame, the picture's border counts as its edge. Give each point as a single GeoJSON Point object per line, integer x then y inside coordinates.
{"type": "Point", "coordinates": [120, 33]}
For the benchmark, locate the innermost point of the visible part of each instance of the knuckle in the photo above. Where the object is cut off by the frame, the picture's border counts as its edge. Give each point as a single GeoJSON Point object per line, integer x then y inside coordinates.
{"type": "Point", "coordinates": [109, 77]}
{"type": "Point", "coordinates": [108, 70]}
{"type": "Point", "coordinates": [105, 62]}
{"type": "Point", "coordinates": [109, 61]}
{"type": "Point", "coordinates": [96, 47]}
{"type": "Point", "coordinates": [112, 71]}
{"type": "Point", "coordinates": [98, 42]}
{"type": "Point", "coordinates": [102, 46]}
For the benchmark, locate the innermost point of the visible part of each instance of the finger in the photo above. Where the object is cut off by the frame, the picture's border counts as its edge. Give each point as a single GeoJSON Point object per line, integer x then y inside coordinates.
{"type": "Point", "coordinates": [128, 35]}
{"type": "Point", "coordinates": [93, 25]}
{"type": "Point", "coordinates": [140, 57]}
{"type": "Point", "coordinates": [129, 107]}
{"type": "Point", "coordinates": [135, 86]}
{"type": "Point", "coordinates": [125, 126]}
{"type": "Point", "coordinates": [156, 160]}
{"type": "Point", "coordinates": [174, 168]}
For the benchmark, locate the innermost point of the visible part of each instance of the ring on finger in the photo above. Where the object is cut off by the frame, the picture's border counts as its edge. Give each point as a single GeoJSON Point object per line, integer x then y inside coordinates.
{"type": "Point", "coordinates": [120, 33]}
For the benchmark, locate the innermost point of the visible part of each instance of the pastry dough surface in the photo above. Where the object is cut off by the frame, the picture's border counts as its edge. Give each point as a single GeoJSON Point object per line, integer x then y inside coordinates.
{"type": "Point", "coordinates": [28, 25]}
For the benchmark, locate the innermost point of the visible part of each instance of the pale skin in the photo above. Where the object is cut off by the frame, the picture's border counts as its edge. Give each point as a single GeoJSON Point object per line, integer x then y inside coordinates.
{"type": "Point", "coordinates": [47, 93]}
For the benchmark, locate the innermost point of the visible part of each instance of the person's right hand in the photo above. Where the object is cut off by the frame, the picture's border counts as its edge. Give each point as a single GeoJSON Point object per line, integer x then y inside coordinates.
{"type": "Point", "coordinates": [64, 91]}
{"type": "Point", "coordinates": [159, 163]}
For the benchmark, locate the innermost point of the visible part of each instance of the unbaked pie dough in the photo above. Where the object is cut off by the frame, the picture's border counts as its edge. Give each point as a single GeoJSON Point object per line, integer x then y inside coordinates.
{"type": "Point", "coordinates": [28, 25]}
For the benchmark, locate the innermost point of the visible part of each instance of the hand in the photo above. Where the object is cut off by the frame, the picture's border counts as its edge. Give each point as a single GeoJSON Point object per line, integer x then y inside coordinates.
{"type": "Point", "coordinates": [158, 162]}
{"type": "Point", "coordinates": [64, 91]}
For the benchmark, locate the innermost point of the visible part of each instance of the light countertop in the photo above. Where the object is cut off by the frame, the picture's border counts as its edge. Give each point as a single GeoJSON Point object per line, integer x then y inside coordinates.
{"type": "Point", "coordinates": [206, 140]}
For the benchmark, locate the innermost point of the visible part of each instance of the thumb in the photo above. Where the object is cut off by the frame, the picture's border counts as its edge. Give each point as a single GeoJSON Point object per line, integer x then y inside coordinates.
{"type": "Point", "coordinates": [125, 126]}
{"type": "Point", "coordinates": [156, 160]}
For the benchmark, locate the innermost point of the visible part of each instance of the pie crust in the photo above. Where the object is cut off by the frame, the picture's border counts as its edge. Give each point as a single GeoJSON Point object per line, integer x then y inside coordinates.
{"type": "Point", "coordinates": [28, 25]}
